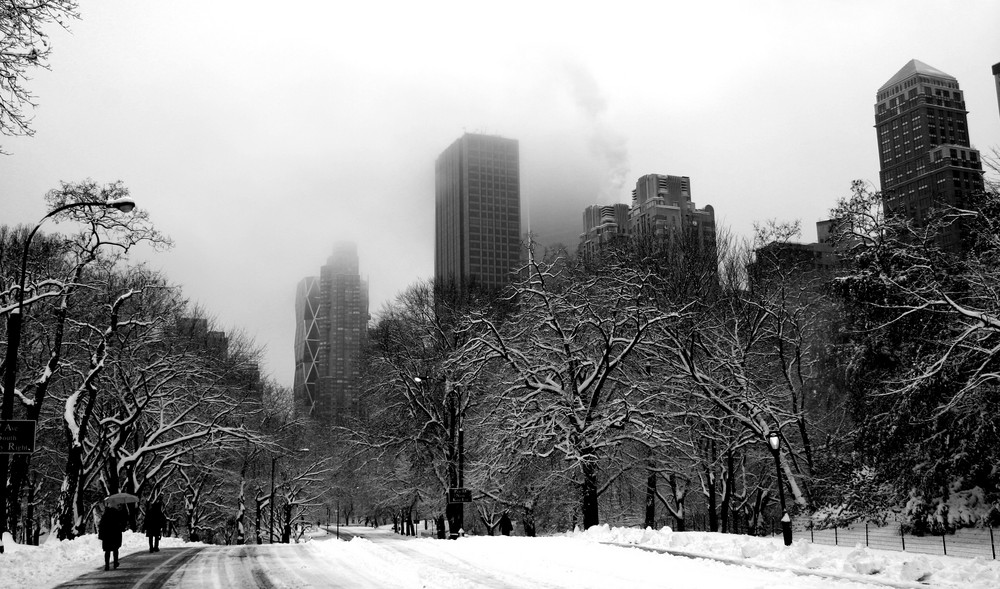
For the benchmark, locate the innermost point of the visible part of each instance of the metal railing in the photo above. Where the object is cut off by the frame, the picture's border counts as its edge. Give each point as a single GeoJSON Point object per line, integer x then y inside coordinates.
{"type": "Point", "coordinates": [965, 542]}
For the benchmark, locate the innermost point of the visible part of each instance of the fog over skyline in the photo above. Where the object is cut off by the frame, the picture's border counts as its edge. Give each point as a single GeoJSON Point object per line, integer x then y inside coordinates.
{"type": "Point", "coordinates": [258, 135]}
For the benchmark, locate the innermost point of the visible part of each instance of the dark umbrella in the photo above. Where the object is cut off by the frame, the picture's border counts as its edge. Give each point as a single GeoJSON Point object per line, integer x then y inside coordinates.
{"type": "Point", "coordinates": [120, 499]}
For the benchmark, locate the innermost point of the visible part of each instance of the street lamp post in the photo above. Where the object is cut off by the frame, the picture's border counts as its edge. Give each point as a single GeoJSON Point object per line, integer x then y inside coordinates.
{"type": "Point", "coordinates": [14, 319]}
{"type": "Point", "coordinates": [774, 442]}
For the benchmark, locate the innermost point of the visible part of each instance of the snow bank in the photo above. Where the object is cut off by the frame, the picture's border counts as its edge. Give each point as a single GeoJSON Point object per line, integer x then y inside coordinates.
{"type": "Point", "coordinates": [879, 565]}
{"type": "Point", "coordinates": [55, 562]}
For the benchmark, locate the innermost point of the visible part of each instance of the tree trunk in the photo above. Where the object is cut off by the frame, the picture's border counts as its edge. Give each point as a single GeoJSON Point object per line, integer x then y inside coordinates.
{"type": "Point", "coordinates": [528, 523]}
{"type": "Point", "coordinates": [589, 491]}
{"type": "Point", "coordinates": [651, 477]}
{"type": "Point", "coordinates": [679, 519]}
{"type": "Point", "coordinates": [727, 493]}
{"type": "Point", "coordinates": [257, 524]}
{"type": "Point", "coordinates": [713, 514]}
{"type": "Point", "coordinates": [241, 508]}
{"type": "Point", "coordinates": [29, 520]}
{"type": "Point", "coordinates": [69, 499]}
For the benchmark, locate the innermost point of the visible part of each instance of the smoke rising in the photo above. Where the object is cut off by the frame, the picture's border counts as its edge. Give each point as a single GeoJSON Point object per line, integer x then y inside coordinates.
{"type": "Point", "coordinates": [607, 144]}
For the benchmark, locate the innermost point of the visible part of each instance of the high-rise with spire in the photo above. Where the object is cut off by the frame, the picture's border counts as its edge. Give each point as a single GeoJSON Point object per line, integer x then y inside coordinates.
{"type": "Point", "coordinates": [925, 156]}
{"type": "Point", "coordinates": [477, 223]}
{"type": "Point", "coordinates": [331, 325]}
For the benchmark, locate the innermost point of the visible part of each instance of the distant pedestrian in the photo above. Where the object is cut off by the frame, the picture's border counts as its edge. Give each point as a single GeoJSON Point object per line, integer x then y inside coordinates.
{"type": "Point", "coordinates": [153, 524]}
{"type": "Point", "coordinates": [109, 531]}
{"type": "Point", "coordinates": [506, 526]}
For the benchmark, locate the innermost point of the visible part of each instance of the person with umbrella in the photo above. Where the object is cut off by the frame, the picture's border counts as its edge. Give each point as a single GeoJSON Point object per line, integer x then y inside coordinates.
{"type": "Point", "coordinates": [153, 524]}
{"type": "Point", "coordinates": [112, 524]}
{"type": "Point", "coordinates": [110, 533]}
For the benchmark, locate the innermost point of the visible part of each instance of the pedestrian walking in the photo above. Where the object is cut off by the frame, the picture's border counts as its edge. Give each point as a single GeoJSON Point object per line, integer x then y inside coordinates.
{"type": "Point", "coordinates": [109, 531]}
{"type": "Point", "coordinates": [506, 526]}
{"type": "Point", "coordinates": [154, 523]}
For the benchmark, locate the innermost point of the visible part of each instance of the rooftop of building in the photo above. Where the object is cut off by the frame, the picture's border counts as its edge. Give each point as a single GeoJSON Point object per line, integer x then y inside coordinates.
{"type": "Point", "coordinates": [912, 68]}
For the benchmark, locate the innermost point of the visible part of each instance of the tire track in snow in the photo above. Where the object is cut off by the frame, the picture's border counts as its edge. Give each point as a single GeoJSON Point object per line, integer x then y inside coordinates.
{"type": "Point", "coordinates": [465, 569]}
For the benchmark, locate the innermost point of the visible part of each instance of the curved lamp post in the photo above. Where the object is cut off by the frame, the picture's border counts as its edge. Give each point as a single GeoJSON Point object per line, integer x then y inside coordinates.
{"type": "Point", "coordinates": [14, 318]}
{"type": "Point", "coordinates": [774, 442]}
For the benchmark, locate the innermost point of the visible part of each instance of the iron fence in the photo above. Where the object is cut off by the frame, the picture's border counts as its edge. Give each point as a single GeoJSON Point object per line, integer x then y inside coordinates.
{"type": "Point", "coordinates": [965, 542]}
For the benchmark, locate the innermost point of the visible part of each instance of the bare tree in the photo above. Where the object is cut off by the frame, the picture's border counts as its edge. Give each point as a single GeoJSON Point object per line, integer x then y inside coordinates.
{"type": "Point", "coordinates": [741, 359]}
{"type": "Point", "coordinates": [564, 359]}
{"type": "Point", "coordinates": [408, 439]}
{"type": "Point", "coordinates": [24, 45]}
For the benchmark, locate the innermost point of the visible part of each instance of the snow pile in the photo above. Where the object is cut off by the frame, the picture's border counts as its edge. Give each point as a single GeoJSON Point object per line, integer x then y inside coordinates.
{"type": "Point", "coordinates": [55, 562]}
{"type": "Point", "coordinates": [803, 556]}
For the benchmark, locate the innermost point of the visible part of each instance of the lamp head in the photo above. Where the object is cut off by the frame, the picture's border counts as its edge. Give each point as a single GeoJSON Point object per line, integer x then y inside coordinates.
{"type": "Point", "coordinates": [124, 204]}
{"type": "Point", "coordinates": [773, 440]}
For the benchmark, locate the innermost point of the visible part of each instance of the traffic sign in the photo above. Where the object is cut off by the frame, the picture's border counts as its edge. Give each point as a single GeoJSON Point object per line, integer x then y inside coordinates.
{"type": "Point", "coordinates": [459, 495]}
{"type": "Point", "coordinates": [17, 436]}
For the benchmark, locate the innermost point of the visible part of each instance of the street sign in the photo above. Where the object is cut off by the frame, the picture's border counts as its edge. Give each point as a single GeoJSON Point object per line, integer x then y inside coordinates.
{"type": "Point", "coordinates": [459, 495]}
{"type": "Point", "coordinates": [17, 436]}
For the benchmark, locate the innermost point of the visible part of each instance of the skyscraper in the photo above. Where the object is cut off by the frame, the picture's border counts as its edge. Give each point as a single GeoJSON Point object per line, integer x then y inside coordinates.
{"type": "Point", "coordinates": [923, 144]}
{"type": "Point", "coordinates": [477, 212]}
{"type": "Point", "coordinates": [996, 78]}
{"type": "Point", "coordinates": [662, 207]}
{"type": "Point", "coordinates": [602, 224]}
{"type": "Point", "coordinates": [331, 324]}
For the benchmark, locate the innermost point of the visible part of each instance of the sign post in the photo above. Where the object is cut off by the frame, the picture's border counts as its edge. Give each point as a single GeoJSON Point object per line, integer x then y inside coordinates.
{"type": "Point", "coordinates": [17, 436]}
{"type": "Point", "coordinates": [459, 495]}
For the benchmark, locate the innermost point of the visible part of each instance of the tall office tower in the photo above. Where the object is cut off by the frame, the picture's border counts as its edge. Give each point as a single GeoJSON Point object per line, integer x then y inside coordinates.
{"type": "Point", "coordinates": [602, 224]}
{"type": "Point", "coordinates": [477, 233]}
{"type": "Point", "coordinates": [662, 207]}
{"type": "Point", "coordinates": [996, 78]}
{"type": "Point", "coordinates": [331, 325]}
{"type": "Point", "coordinates": [923, 144]}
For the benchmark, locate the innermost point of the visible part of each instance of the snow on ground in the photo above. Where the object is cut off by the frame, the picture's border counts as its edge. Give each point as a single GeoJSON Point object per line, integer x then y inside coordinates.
{"type": "Point", "coordinates": [858, 562]}
{"type": "Point", "coordinates": [55, 562]}
{"type": "Point", "coordinates": [576, 559]}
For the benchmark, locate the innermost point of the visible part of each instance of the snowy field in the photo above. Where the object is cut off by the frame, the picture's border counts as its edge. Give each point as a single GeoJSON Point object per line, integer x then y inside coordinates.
{"type": "Point", "coordinates": [578, 560]}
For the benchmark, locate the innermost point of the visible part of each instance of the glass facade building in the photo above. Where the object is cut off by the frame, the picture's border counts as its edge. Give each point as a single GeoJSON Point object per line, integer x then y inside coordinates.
{"type": "Point", "coordinates": [477, 229]}
{"type": "Point", "coordinates": [331, 325]}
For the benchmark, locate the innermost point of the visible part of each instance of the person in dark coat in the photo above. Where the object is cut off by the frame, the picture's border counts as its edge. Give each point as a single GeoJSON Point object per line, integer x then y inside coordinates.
{"type": "Point", "coordinates": [506, 526]}
{"type": "Point", "coordinates": [153, 524]}
{"type": "Point", "coordinates": [109, 531]}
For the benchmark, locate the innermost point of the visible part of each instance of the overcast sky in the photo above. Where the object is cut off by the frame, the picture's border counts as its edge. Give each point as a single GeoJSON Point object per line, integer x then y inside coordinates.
{"type": "Point", "coordinates": [257, 134]}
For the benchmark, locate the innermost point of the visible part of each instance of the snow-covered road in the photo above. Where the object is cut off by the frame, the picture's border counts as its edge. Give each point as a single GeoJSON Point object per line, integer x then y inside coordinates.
{"type": "Point", "coordinates": [384, 560]}
{"type": "Point", "coordinates": [577, 560]}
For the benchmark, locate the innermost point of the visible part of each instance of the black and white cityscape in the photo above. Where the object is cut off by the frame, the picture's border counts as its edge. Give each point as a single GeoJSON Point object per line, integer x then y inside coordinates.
{"type": "Point", "coordinates": [526, 296]}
